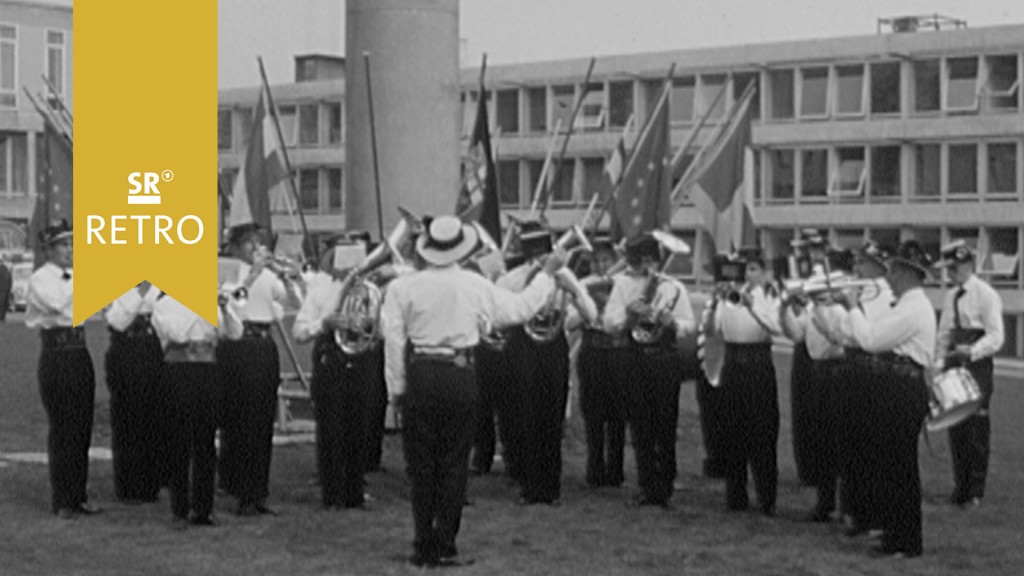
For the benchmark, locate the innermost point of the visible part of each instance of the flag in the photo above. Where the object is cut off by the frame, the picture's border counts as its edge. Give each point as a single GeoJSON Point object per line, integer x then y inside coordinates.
{"type": "Point", "coordinates": [478, 198]}
{"type": "Point", "coordinates": [720, 191]}
{"type": "Point", "coordinates": [263, 167]}
{"type": "Point", "coordinates": [54, 193]}
{"type": "Point", "coordinates": [642, 202]}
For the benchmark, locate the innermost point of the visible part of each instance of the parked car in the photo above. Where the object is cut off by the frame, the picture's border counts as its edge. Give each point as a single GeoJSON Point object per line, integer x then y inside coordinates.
{"type": "Point", "coordinates": [20, 273]}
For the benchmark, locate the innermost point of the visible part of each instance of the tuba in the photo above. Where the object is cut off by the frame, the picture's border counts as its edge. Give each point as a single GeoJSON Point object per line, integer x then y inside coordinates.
{"type": "Point", "coordinates": [547, 324]}
{"type": "Point", "coordinates": [647, 329]}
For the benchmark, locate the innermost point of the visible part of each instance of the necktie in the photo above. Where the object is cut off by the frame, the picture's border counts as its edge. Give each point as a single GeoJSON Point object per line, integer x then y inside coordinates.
{"type": "Point", "coordinates": [66, 275]}
{"type": "Point", "coordinates": [956, 306]}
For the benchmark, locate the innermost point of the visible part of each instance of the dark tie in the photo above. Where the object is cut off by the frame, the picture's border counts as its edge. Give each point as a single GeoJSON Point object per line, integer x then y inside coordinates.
{"type": "Point", "coordinates": [956, 307]}
{"type": "Point", "coordinates": [66, 275]}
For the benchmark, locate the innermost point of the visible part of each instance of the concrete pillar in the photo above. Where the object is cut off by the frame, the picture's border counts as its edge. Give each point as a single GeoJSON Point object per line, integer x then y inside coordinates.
{"type": "Point", "coordinates": [414, 66]}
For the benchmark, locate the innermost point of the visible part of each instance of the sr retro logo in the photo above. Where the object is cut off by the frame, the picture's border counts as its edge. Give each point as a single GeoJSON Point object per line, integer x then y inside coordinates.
{"type": "Point", "coordinates": [147, 229]}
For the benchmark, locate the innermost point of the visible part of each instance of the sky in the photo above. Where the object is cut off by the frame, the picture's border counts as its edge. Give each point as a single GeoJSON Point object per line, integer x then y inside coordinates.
{"type": "Point", "coordinates": [512, 31]}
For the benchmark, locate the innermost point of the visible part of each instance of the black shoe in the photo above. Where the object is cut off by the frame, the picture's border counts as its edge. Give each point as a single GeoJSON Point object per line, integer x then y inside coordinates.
{"type": "Point", "coordinates": [819, 516]}
{"type": "Point", "coordinates": [87, 509]}
{"type": "Point", "coordinates": [453, 562]}
{"type": "Point", "coordinates": [854, 530]}
{"type": "Point", "coordinates": [645, 500]}
{"type": "Point", "coordinates": [421, 561]}
{"type": "Point", "coordinates": [884, 550]}
{"type": "Point", "coordinates": [204, 520]}
{"type": "Point", "coordinates": [264, 510]}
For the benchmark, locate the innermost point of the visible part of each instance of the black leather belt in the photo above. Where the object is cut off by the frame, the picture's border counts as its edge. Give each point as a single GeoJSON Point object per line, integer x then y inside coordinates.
{"type": "Point", "coordinates": [460, 357]}
{"type": "Point", "coordinates": [748, 352]}
{"type": "Point", "coordinates": [140, 327]}
{"type": "Point", "coordinates": [901, 366]}
{"type": "Point", "coordinates": [256, 330]}
{"type": "Point", "coordinates": [966, 335]}
{"type": "Point", "coordinates": [194, 351]}
{"type": "Point", "coordinates": [62, 338]}
{"type": "Point", "coordinates": [600, 339]}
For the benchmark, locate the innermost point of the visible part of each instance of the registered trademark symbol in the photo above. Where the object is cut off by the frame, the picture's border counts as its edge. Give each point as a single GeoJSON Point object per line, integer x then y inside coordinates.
{"type": "Point", "coordinates": [167, 175]}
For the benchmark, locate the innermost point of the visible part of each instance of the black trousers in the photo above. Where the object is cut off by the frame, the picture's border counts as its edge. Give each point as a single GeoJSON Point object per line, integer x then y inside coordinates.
{"type": "Point", "coordinates": [603, 403]}
{"type": "Point", "coordinates": [67, 385]}
{"type": "Point", "coordinates": [509, 405]}
{"type": "Point", "coordinates": [438, 415]}
{"type": "Point", "coordinates": [896, 492]}
{"type": "Point", "coordinates": [970, 439]}
{"type": "Point", "coordinates": [494, 379]}
{"type": "Point", "coordinates": [823, 428]}
{"type": "Point", "coordinates": [709, 401]}
{"type": "Point", "coordinates": [376, 410]}
{"type": "Point", "coordinates": [341, 388]}
{"type": "Point", "coordinates": [192, 456]}
{"type": "Point", "coordinates": [750, 421]}
{"type": "Point", "coordinates": [542, 369]}
{"type": "Point", "coordinates": [138, 415]}
{"type": "Point", "coordinates": [655, 376]}
{"type": "Point", "coordinates": [250, 373]}
{"type": "Point", "coordinates": [858, 399]}
{"type": "Point", "coordinates": [803, 393]}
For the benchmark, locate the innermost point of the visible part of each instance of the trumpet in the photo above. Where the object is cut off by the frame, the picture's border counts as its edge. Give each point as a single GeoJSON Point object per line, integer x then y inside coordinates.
{"type": "Point", "coordinates": [821, 289]}
{"type": "Point", "coordinates": [239, 295]}
{"type": "Point", "coordinates": [732, 293]}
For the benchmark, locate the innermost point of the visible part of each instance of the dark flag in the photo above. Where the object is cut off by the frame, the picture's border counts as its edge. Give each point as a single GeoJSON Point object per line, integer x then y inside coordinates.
{"type": "Point", "coordinates": [54, 192]}
{"type": "Point", "coordinates": [478, 198]}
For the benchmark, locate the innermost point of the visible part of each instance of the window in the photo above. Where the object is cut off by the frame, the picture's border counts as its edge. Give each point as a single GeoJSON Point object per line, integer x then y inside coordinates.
{"type": "Point", "coordinates": [813, 92]}
{"type": "Point", "coordinates": [563, 98]}
{"type": "Point", "coordinates": [1002, 168]}
{"type": "Point", "coordinates": [962, 84]}
{"type": "Point", "coordinates": [334, 123]}
{"type": "Point", "coordinates": [926, 86]}
{"type": "Point", "coordinates": [592, 112]}
{"type": "Point", "coordinates": [782, 174]}
{"type": "Point", "coordinates": [849, 238]}
{"type": "Point", "coordinates": [8, 66]}
{"type": "Point", "coordinates": [682, 99]}
{"type": "Point", "coordinates": [536, 100]}
{"type": "Point", "coordinates": [309, 124]}
{"type": "Point", "coordinates": [927, 181]}
{"type": "Point", "coordinates": [740, 81]}
{"type": "Point", "coordinates": [777, 242]}
{"type": "Point", "coordinates": [887, 237]}
{"type": "Point", "coordinates": [286, 114]}
{"type": "Point", "coordinates": [13, 164]}
{"type": "Point", "coordinates": [534, 168]}
{"type": "Point", "coordinates": [621, 105]}
{"type": "Point", "coordinates": [848, 179]}
{"type": "Point", "coordinates": [710, 87]}
{"type": "Point", "coordinates": [1010, 323]}
{"type": "Point", "coordinates": [593, 177]}
{"type": "Point", "coordinates": [885, 172]}
{"type": "Point", "coordinates": [782, 105]}
{"type": "Point", "coordinates": [224, 129]}
{"type": "Point", "coordinates": [963, 169]}
{"type": "Point", "coordinates": [335, 188]}
{"type": "Point", "coordinates": [508, 182]}
{"type": "Point", "coordinates": [1003, 84]}
{"type": "Point", "coordinates": [55, 60]}
{"type": "Point", "coordinates": [814, 173]}
{"type": "Point", "coordinates": [309, 190]}
{"type": "Point", "coordinates": [468, 100]}
{"type": "Point", "coordinates": [651, 90]}
{"type": "Point", "coordinates": [1004, 256]}
{"type": "Point", "coordinates": [244, 117]}
{"type": "Point", "coordinates": [885, 88]}
{"type": "Point", "coordinates": [850, 90]}
{"type": "Point", "coordinates": [508, 111]}
{"type": "Point", "coordinates": [930, 240]}
{"type": "Point", "coordinates": [561, 180]}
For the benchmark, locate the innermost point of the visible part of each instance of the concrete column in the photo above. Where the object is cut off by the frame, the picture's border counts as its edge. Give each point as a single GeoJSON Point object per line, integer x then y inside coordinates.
{"type": "Point", "coordinates": [414, 66]}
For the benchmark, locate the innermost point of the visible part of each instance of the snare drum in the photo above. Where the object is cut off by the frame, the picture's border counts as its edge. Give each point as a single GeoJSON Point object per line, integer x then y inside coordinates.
{"type": "Point", "coordinates": [954, 396]}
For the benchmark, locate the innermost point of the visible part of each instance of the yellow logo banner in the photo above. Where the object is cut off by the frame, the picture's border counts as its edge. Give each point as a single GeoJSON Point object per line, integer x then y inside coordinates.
{"type": "Point", "coordinates": [145, 87]}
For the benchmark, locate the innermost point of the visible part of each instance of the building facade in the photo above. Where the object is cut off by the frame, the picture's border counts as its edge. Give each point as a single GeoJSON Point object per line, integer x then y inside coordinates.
{"type": "Point", "coordinates": [886, 137]}
{"type": "Point", "coordinates": [35, 42]}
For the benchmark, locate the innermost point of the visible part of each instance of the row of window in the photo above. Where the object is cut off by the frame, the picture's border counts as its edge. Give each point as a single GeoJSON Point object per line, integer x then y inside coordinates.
{"type": "Point", "coordinates": [55, 57]}
{"type": "Point", "coordinates": [320, 191]}
{"type": "Point", "coordinates": [890, 172]}
{"type": "Point", "coordinates": [305, 124]}
{"type": "Point", "coordinates": [813, 92]}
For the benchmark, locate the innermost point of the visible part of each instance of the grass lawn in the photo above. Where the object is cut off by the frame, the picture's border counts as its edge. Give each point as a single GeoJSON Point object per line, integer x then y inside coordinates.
{"type": "Point", "coordinates": [593, 532]}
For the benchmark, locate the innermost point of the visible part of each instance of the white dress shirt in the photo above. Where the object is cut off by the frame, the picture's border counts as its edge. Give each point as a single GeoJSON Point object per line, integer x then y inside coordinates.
{"type": "Point", "coordinates": [875, 307]}
{"type": "Point", "coordinates": [322, 300]}
{"type": "Point", "coordinates": [266, 291]}
{"type": "Point", "coordinates": [176, 324]}
{"type": "Point", "coordinates": [809, 327]}
{"type": "Point", "coordinates": [629, 287]}
{"type": "Point", "coordinates": [908, 329]}
{"type": "Point", "coordinates": [123, 311]}
{"type": "Point", "coordinates": [446, 308]}
{"type": "Point", "coordinates": [749, 324]}
{"type": "Point", "coordinates": [980, 308]}
{"type": "Point", "coordinates": [50, 297]}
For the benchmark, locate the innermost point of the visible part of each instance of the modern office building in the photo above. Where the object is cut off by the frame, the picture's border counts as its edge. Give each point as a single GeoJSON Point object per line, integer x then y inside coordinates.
{"type": "Point", "coordinates": [904, 134]}
{"type": "Point", "coordinates": [35, 41]}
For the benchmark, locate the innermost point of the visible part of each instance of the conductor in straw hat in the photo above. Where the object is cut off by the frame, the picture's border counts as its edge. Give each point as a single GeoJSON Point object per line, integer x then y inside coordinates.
{"type": "Point", "coordinates": [431, 321]}
{"type": "Point", "coordinates": [970, 334]}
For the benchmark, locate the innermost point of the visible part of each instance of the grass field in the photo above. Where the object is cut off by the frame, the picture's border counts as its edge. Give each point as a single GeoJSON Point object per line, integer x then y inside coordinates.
{"type": "Point", "coordinates": [593, 532]}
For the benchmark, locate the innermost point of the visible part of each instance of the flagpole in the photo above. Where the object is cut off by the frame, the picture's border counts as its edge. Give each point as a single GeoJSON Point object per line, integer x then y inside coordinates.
{"type": "Point", "coordinates": [615, 185]}
{"type": "Point", "coordinates": [272, 110]}
{"type": "Point", "coordinates": [556, 177]}
{"type": "Point", "coordinates": [65, 113]}
{"type": "Point", "coordinates": [696, 129]}
{"type": "Point", "coordinates": [373, 147]}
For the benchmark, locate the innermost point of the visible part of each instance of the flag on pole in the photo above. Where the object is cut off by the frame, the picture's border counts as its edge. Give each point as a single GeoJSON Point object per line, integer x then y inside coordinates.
{"type": "Point", "coordinates": [721, 189]}
{"type": "Point", "coordinates": [642, 202]}
{"type": "Point", "coordinates": [478, 197]}
{"type": "Point", "coordinates": [263, 167]}
{"type": "Point", "coordinates": [54, 194]}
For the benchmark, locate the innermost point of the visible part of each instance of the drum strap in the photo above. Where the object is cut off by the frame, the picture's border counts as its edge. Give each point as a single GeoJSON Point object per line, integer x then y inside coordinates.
{"type": "Point", "coordinates": [956, 307]}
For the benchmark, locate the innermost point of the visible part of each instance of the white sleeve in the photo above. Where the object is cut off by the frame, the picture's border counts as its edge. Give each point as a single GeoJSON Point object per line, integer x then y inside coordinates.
{"type": "Point", "coordinates": [686, 323]}
{"type": "Point", "coordinates": [309, 320]}
{"type": "Point", "coordinates": [395, 339]}
{"type": "Point", "coordinates": [123, 311]}
{"type": "Point", "coordinates": [47, 296]}
{"type": "Point", "coordinates": [509, 308]}
{"type": "Point", "coordinates": [992, 320]}
{"type": "Point", "coordinates": [615, 309]}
